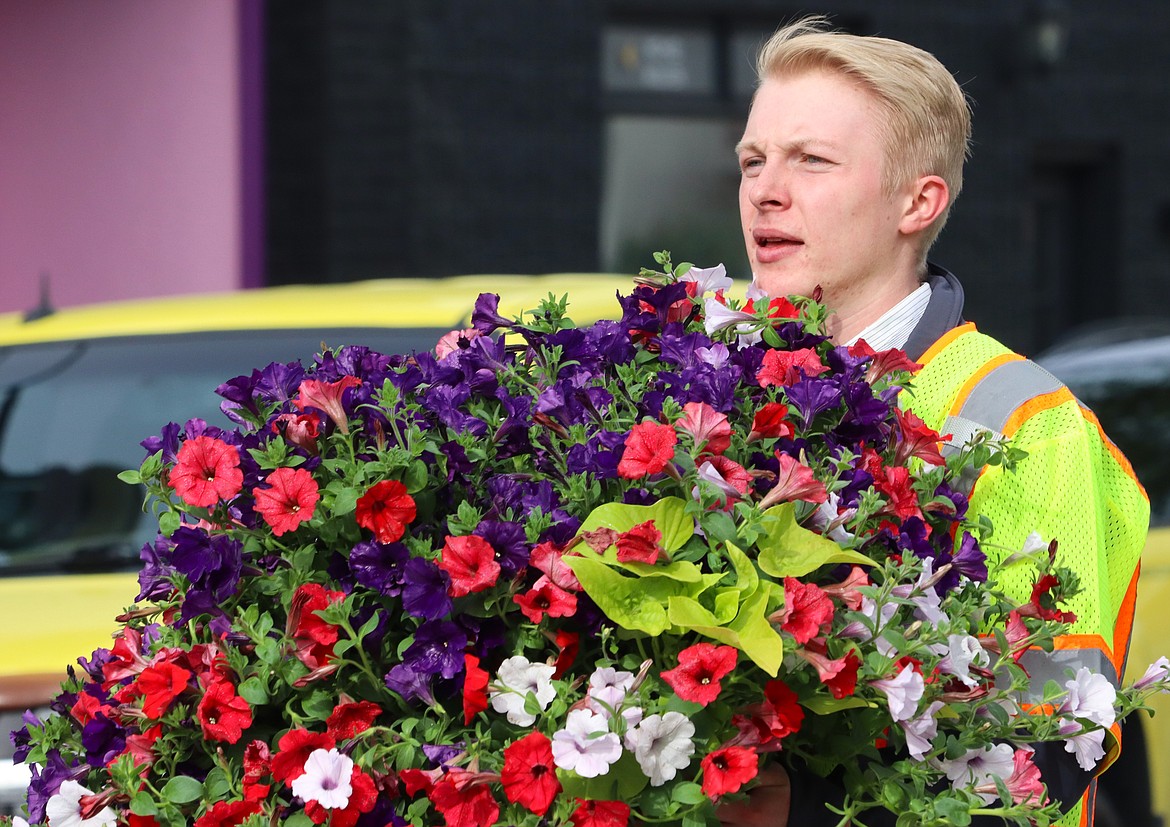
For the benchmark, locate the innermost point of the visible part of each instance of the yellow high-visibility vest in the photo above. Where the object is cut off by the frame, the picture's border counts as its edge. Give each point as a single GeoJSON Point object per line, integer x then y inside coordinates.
{"type": "Point", "coordinates": [1075, 486]}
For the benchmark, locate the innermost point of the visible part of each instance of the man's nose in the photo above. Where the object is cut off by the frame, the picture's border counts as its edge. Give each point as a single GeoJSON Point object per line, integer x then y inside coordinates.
{"type": "Point", "coordinates": [771, 187]}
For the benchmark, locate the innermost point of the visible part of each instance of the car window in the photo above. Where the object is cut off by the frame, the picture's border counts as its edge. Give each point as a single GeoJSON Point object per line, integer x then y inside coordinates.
{"type": "Point", "coordinates": [72, 416]}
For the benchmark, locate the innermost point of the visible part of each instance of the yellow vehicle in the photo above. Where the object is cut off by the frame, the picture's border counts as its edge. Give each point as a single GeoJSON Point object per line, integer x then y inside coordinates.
{"type": "Point", "coordinates": [80, 388]}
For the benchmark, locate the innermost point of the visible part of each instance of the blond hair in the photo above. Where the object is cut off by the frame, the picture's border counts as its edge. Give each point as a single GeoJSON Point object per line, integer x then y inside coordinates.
{"type": "Point", "coordinates": [927, 117]}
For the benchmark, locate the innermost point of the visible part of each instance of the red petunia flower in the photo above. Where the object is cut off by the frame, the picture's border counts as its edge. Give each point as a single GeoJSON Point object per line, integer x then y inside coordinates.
{"type": "Point", "coordinates": [386, 509]}
{"type": "Point", "coordinates": [838, 674]}
{"type": "Point", "coordinates": [471, 562]}
{"type": "Point", "coordinates": [916, 439]}
{"type": "Point", "coordinates": [257, 765]}
{"type": "Point", "coordinates": [807, 609]}
{"type": "Point", "coordinates": [133, 820]}
{"type": "Point", "coordinates": [228, 813]}
{"type": "Point", "coordinates": [896, 483]}
{"type": "Point", "coordinates": [314, 636]}
{"type": "Point", "coordinates": [293, 750]}
{"type": "Point", "coordinates": [700, 668]}
{"type": "Point", "coordinates": [301, 430]}
{"type": "Point", "coordinates": [648, 448]}
{"type": "Point", "coordinates": [475, 682]}
{"type": "Point", "coordinates": [549, 558]}
{"type": "Point", "coordinates": [362, 798]}
{"type": "Point", "coordinates": [86, 707]}
{"type": "Point", "coordinates": [223, 714]}
{"type": "Point", "coordinates": [160, 683]}
{"type": "Point", "coordinates": [786, 367]}
{"type": "Point", "coordinates": [781, 713]}
{"type": "Point", "coordinates": [290, 499]}
{"type": "Point", "coordinates": [794, 481]}
{"type": "Point", "coordinates": [529, 774]}
{"type": "Point", "coordinates": [348, 719]}
{"type": "Point", "coordinates": [641, 544]}
{"type": "Point", "coordinates": [728, 769]}
{"type": "Point", "coordinates": [568, 645]}
{"type": "Point", "coordinates": [462, 802]}
{"type": "Point", "coordinates": [708, 428]}
{"type": "Point", "coordinates": [140, 746]}
{"type": "Point", "coordinates": [1043, 603]}
{"type": "Point", "coordinates": [887, 361]}
{"type": "Point", "coordinates": [546, 598]}
{"type": "Point", "coordinates": [590, 813]}
{"type": "Point", "coordinates": [206, 471]}
{"type": "Point", "coordinates": [771, 421]}
{"type": "Point", "coordinates": [326, 397]}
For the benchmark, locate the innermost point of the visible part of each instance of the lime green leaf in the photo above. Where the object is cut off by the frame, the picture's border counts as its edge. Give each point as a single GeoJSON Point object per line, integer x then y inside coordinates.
{"type": "Point", "coordinates": [624, 600]}
{"type": "Point", "coordinates": [669, 515]}
{"type": "Point", "coordinates": [758, 639]}
{"type": "Point", "coordinates": [747, 578]}
{"type": "Point", "coordinates": [182, 789]}
{"type": "Point", "coordinates": [688, 792]}
{"type": "Point", "coordinates": [788, 550]}
{"type": "Point", "coordinates": [820, 705]}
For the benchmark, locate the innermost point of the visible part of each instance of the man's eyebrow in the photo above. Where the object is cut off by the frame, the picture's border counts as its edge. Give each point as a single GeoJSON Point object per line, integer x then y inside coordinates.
{"type": "Point", "coordinates": [742, 145]}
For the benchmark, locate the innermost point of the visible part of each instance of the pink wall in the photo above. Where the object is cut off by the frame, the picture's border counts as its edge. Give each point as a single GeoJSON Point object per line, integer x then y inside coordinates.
{"type": "Point", "coordinates": [120, 149]}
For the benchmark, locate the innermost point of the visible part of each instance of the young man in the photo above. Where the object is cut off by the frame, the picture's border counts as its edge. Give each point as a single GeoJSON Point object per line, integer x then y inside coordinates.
{"type": "Point", "coordinates": [850, 159]}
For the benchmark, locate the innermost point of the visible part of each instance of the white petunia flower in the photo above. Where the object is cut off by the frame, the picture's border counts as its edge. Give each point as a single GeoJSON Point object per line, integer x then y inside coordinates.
{"type": "Point", "coordinates": [516, 678]}
{"type": "Point", "coordinates": [1158, 672]}
{"type": "Point", "coordinates": [585, 745]}
{"type": "Point", "coordinates": [1090, 696]}
{"type": "Point", "coordinates": [903, 692]}
{"type": "Point", "coordinates": [1088, 747]}
{"type": "Point", "coordinates": [920, 731]}
{"type": "Point", "coordinates": [708, 279]}
{"type": "Point", "coordinates": [962, 651]}
{"type": "Point", "coordinates": [64, 808]}
{"type": "Point", "coordinates": [980, 766]}
{"type": "Point", "coordinates": [608, 688]}
{"type": "Point", "coordinates": [326, 779]}
{"type": "Point", "coordinates": [663, 746]}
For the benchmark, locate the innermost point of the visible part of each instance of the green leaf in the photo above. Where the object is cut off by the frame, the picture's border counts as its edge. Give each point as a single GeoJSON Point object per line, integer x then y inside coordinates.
{"type": "Point", "coordinates": [747, 630]}
{"type": "Point", "coordinates": [142, 804]}
{"type": "Point", "coordinates": [788, 550]}
{"type": "Point", "coordinates": [669, 515]}
{"type": "Point", "coordinates": [416, 477]}
{"type": "Point", "coordinates": [345, 501]}
{"type": "Point", "coordinates": [216, 787]}
{"type": "Point", "coordinates": [688, 792]}
{"type": "Point", "coordinates": [168, 523]}
{"type": "Point", "coordinates": [821, 705]}
{"type": "Point", "coordinates": [133, 476]}
{"type": "Point", "coordinates": [624, 600]}
{"type": "Point", "coordinates": [182, 789]}
{"type": "Point", "coordinates": [253, 691]}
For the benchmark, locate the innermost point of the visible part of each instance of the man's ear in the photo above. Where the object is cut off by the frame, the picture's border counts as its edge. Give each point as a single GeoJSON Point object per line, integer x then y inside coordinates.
{"type": "Point", "coordinates": [927, 199]}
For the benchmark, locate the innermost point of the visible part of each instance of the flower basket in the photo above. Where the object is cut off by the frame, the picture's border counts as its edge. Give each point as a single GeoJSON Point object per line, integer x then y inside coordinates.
{"type": "Point", "coordinates": [550, 574]}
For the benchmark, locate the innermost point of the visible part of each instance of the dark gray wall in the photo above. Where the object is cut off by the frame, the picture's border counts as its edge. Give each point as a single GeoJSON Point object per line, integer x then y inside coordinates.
{"type": "Point", "coordinates": [424, 137]}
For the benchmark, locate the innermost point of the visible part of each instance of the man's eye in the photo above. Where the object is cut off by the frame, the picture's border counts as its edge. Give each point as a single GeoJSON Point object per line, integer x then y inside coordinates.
{"type": "Point", "coordinates": [749, 164]}
{"type": "Point", "coordinates": [813, 159]}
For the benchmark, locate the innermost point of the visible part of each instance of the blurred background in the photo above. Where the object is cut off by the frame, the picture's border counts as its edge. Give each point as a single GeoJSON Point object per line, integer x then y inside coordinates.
{"type": "Point", "coordinates": [152, 148]}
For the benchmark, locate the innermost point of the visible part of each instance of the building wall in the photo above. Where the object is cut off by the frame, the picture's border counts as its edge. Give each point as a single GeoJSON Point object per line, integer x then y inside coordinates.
{"type": "Point", "coordinates": [120, 149]}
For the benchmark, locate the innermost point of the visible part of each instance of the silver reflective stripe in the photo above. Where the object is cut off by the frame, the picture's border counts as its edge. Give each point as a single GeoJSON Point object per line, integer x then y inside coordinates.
{"type": "Point", "coordinates": [1056, 666]}
{"type": "Point", "coordinates": [991, 404]}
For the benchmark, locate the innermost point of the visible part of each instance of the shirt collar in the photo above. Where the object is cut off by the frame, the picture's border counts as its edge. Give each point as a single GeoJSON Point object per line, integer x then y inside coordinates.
{"type": "Point", "coordinates": [892, 329]}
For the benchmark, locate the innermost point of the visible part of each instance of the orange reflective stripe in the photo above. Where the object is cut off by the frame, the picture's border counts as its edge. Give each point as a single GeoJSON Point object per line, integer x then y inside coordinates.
{"type": "Point", "coordinates": [1123, 628]}
{"type": "Point", "coordinates": [1035, 406]}
{"type": "Point", "coordinates": [945, 340]}
{"type": "Point", "coordinates": [1076, 641]}
{"type": "Point", "coordinates": [977, 377]}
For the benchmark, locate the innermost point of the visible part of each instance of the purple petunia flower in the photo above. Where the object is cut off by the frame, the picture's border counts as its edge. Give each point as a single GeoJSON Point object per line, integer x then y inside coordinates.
{"type": "Point", "coordinates": [424, 589]}
{"type": "Point", "coordinates": [154, 578]}
{"type": "Point", "coordinates": [410, 684]}
{"type": "Point", "coordinates": [509, 541]}
{"type": "Point", "coordinates": [211, 564]}
{"type": "Point", "coordinates": [812, 396]}
{"type": "Point", "coordinates": [379, 566]}
{"type": "Point", "coordinates": [442, 754]}
{"type": "Point", "coordinates": [486, 317]}
{"type": "Point", "coordinates": [46, 780]}
{"type": "Point", "coordinates": [103, 740]}
{"type": "Point", "coordinates": [970, 559]}
{"type": "Point", "coordinates": [437, 649]}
